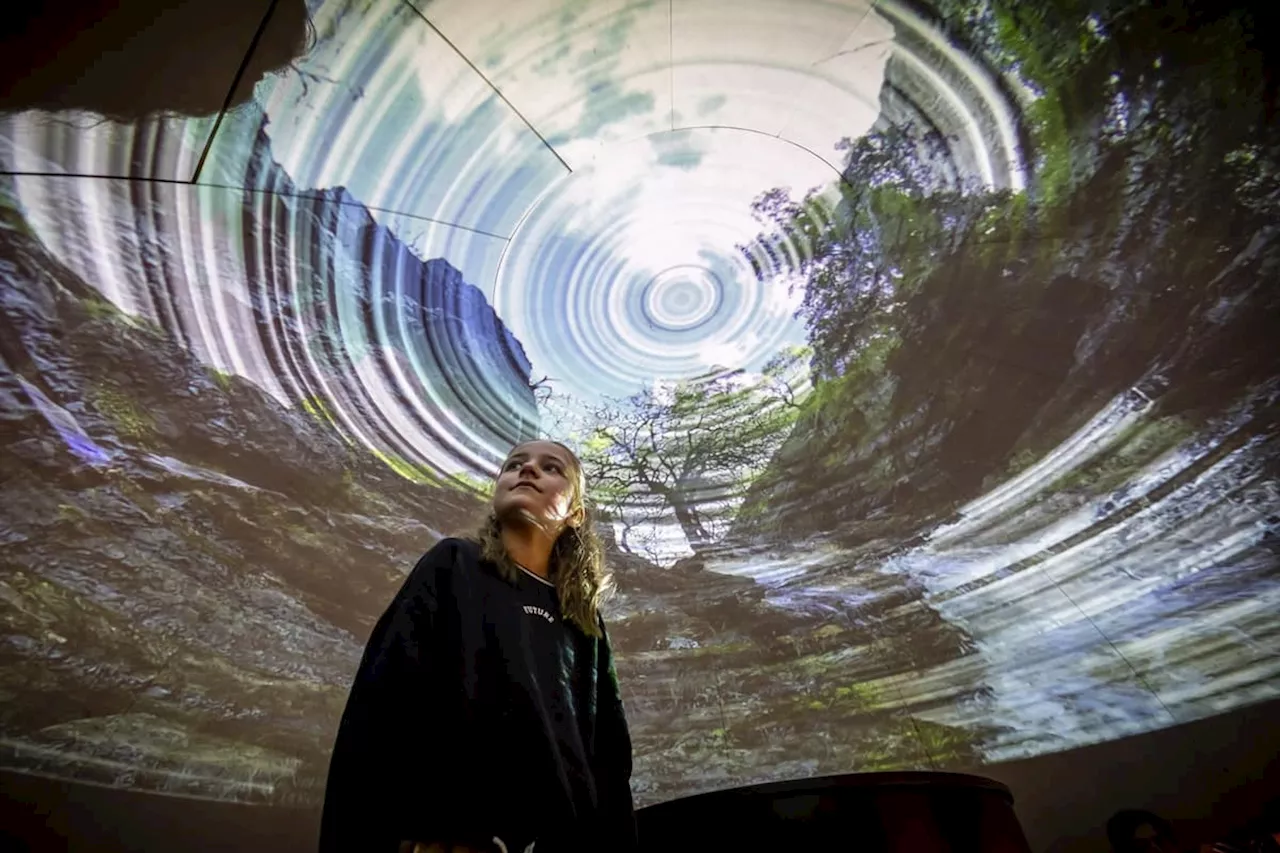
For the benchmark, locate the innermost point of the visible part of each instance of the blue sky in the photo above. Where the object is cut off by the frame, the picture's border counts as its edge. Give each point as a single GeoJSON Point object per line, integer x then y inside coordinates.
{"type": "Point", "coordinates": [588, 165]}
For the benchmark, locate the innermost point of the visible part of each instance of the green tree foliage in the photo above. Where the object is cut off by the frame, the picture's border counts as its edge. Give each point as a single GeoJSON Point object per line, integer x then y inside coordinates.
{"type": "Point", "coordinates": [898, 216]}
{"type": "Point", "coordinates": [956, 329]}
{"type": "Point", "coordinates": [1187, 78]}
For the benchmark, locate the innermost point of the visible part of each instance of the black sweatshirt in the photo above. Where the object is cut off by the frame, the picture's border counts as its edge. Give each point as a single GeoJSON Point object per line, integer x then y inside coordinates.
{"type": "Point", "coordinates": [478, 713]}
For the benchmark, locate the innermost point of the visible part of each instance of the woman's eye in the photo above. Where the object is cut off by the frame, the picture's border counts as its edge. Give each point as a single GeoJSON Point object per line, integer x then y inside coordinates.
{"type": "Point", "coordinates": [554, 467]}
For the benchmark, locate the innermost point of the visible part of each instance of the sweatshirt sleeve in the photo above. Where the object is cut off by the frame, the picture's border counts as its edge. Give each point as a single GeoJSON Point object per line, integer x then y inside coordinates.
{"type": "Point", "coordinates": [613, 755]}
{"type": "Point", "coordinates": [367, 771]}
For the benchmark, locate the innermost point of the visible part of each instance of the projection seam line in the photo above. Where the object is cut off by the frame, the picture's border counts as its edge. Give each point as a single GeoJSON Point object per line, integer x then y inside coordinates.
{"type": "Point", "coordinates": [791, 113]}
{"type": "Point", "coordinates": [235, 86]}
{"type": "Point", "coordinates": [840, 176]}
{"type": "Point", "coordinates": [852, 51]}
{"type": "Point", "coordinates": [150, 179]}
{"type": "Point", "coordinates": [904, 707]}
{"type": "Point", "coordinates": [489, 83]}
{"type": "Point", "coordinates": [915, 727]}
{"type": "Point", "coordinates": [1137, 675]}
{"type": "Point", "coordinates": [671, 58]}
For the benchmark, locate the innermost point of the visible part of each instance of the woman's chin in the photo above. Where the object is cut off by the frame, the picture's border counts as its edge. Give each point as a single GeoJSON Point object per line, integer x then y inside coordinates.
{"type": "Point", "coordinates": [518, 517]}
{"type": "Point", "coordinates": [518, 512]}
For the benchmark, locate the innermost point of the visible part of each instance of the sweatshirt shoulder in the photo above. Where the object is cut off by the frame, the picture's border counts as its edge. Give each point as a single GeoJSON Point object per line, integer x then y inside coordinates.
{"type": "Point", "coordinates": [448, 550]}
{"type": "Point", "coordinates": [464, 547]}
{"type": "Point", "coordinates": [448, 557]}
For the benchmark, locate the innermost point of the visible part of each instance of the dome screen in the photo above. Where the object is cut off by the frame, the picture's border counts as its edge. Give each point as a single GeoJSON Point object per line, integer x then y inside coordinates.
{"type": "Point", "coordinates": [921, 357]}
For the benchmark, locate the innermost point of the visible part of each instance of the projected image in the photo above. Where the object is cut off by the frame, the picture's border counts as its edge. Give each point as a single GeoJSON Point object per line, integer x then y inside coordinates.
{"type": "Point", "coordinates": [922, 358]}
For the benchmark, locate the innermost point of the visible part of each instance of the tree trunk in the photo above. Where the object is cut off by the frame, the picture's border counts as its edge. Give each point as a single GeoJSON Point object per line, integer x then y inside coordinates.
{"type": "Point", "coordinates": [690, 523]}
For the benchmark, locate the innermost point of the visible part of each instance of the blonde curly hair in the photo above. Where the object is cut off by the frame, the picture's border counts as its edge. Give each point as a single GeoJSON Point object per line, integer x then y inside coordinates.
{"type": "Point", "coordinates": [577, 565]}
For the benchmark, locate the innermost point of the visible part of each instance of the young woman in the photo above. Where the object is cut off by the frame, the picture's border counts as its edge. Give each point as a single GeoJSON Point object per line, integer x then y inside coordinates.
{"type": "Point", "coordinates": [485, 715]}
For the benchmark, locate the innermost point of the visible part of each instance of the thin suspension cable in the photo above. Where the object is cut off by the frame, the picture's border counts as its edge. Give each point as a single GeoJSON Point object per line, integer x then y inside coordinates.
{"type": "Point", "coordinates": [235, 85]}
{"type": "Point", "coordinates": [314, 196]}
{"type": "Point", "coordinates": [489, 83]}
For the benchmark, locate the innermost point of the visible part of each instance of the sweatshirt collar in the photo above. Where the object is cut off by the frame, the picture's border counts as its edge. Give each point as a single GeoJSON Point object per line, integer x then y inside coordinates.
{"type": "Point", "coordinates": [539, 578]}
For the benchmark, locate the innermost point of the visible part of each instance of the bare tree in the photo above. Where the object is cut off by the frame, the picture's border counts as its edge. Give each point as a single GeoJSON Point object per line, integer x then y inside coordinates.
{"type": "Point", "coordinates": [689, 449]}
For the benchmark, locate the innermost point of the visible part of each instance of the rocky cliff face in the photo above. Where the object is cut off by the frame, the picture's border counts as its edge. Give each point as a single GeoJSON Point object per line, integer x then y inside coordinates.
{"type": "Point", "coordinates": [306, 295]}
{"type": "Point", "coordinates": [190, 567]}
{"type": "Point", "coordinates": [1059, 428]}
{"type": "Point", "coordinates": [727, 682]}
{"type": "Point", "coordinates": [1134, 266]}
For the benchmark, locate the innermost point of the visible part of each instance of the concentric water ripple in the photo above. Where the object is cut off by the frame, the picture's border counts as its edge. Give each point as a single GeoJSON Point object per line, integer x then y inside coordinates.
{"type": "Point", "coordinates": [476, 163]}
{"type": "Point", "coordinates": [628, 270]}
{"type": "Point", "coordinates": [681, 298]}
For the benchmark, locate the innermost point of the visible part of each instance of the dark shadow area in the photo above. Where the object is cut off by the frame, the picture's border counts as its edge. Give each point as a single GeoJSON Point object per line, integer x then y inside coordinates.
{"type": "Point", "coordinates": [41, 815]}
{"type": "Point", "coordinates": [126, 60]}
{"type": "Point", "coordinates": [908, 812]}
{"type": "Point", "coordinates": [1206, 778]}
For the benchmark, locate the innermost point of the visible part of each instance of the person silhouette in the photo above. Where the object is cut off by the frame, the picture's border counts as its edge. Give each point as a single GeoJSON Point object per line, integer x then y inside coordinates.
{"type": "Point", "coordinates": [486, 713]}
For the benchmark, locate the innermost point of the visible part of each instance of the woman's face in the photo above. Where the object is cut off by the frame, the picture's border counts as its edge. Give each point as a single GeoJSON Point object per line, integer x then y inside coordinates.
{"type": "Point", "coordinates": [536, 482]}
